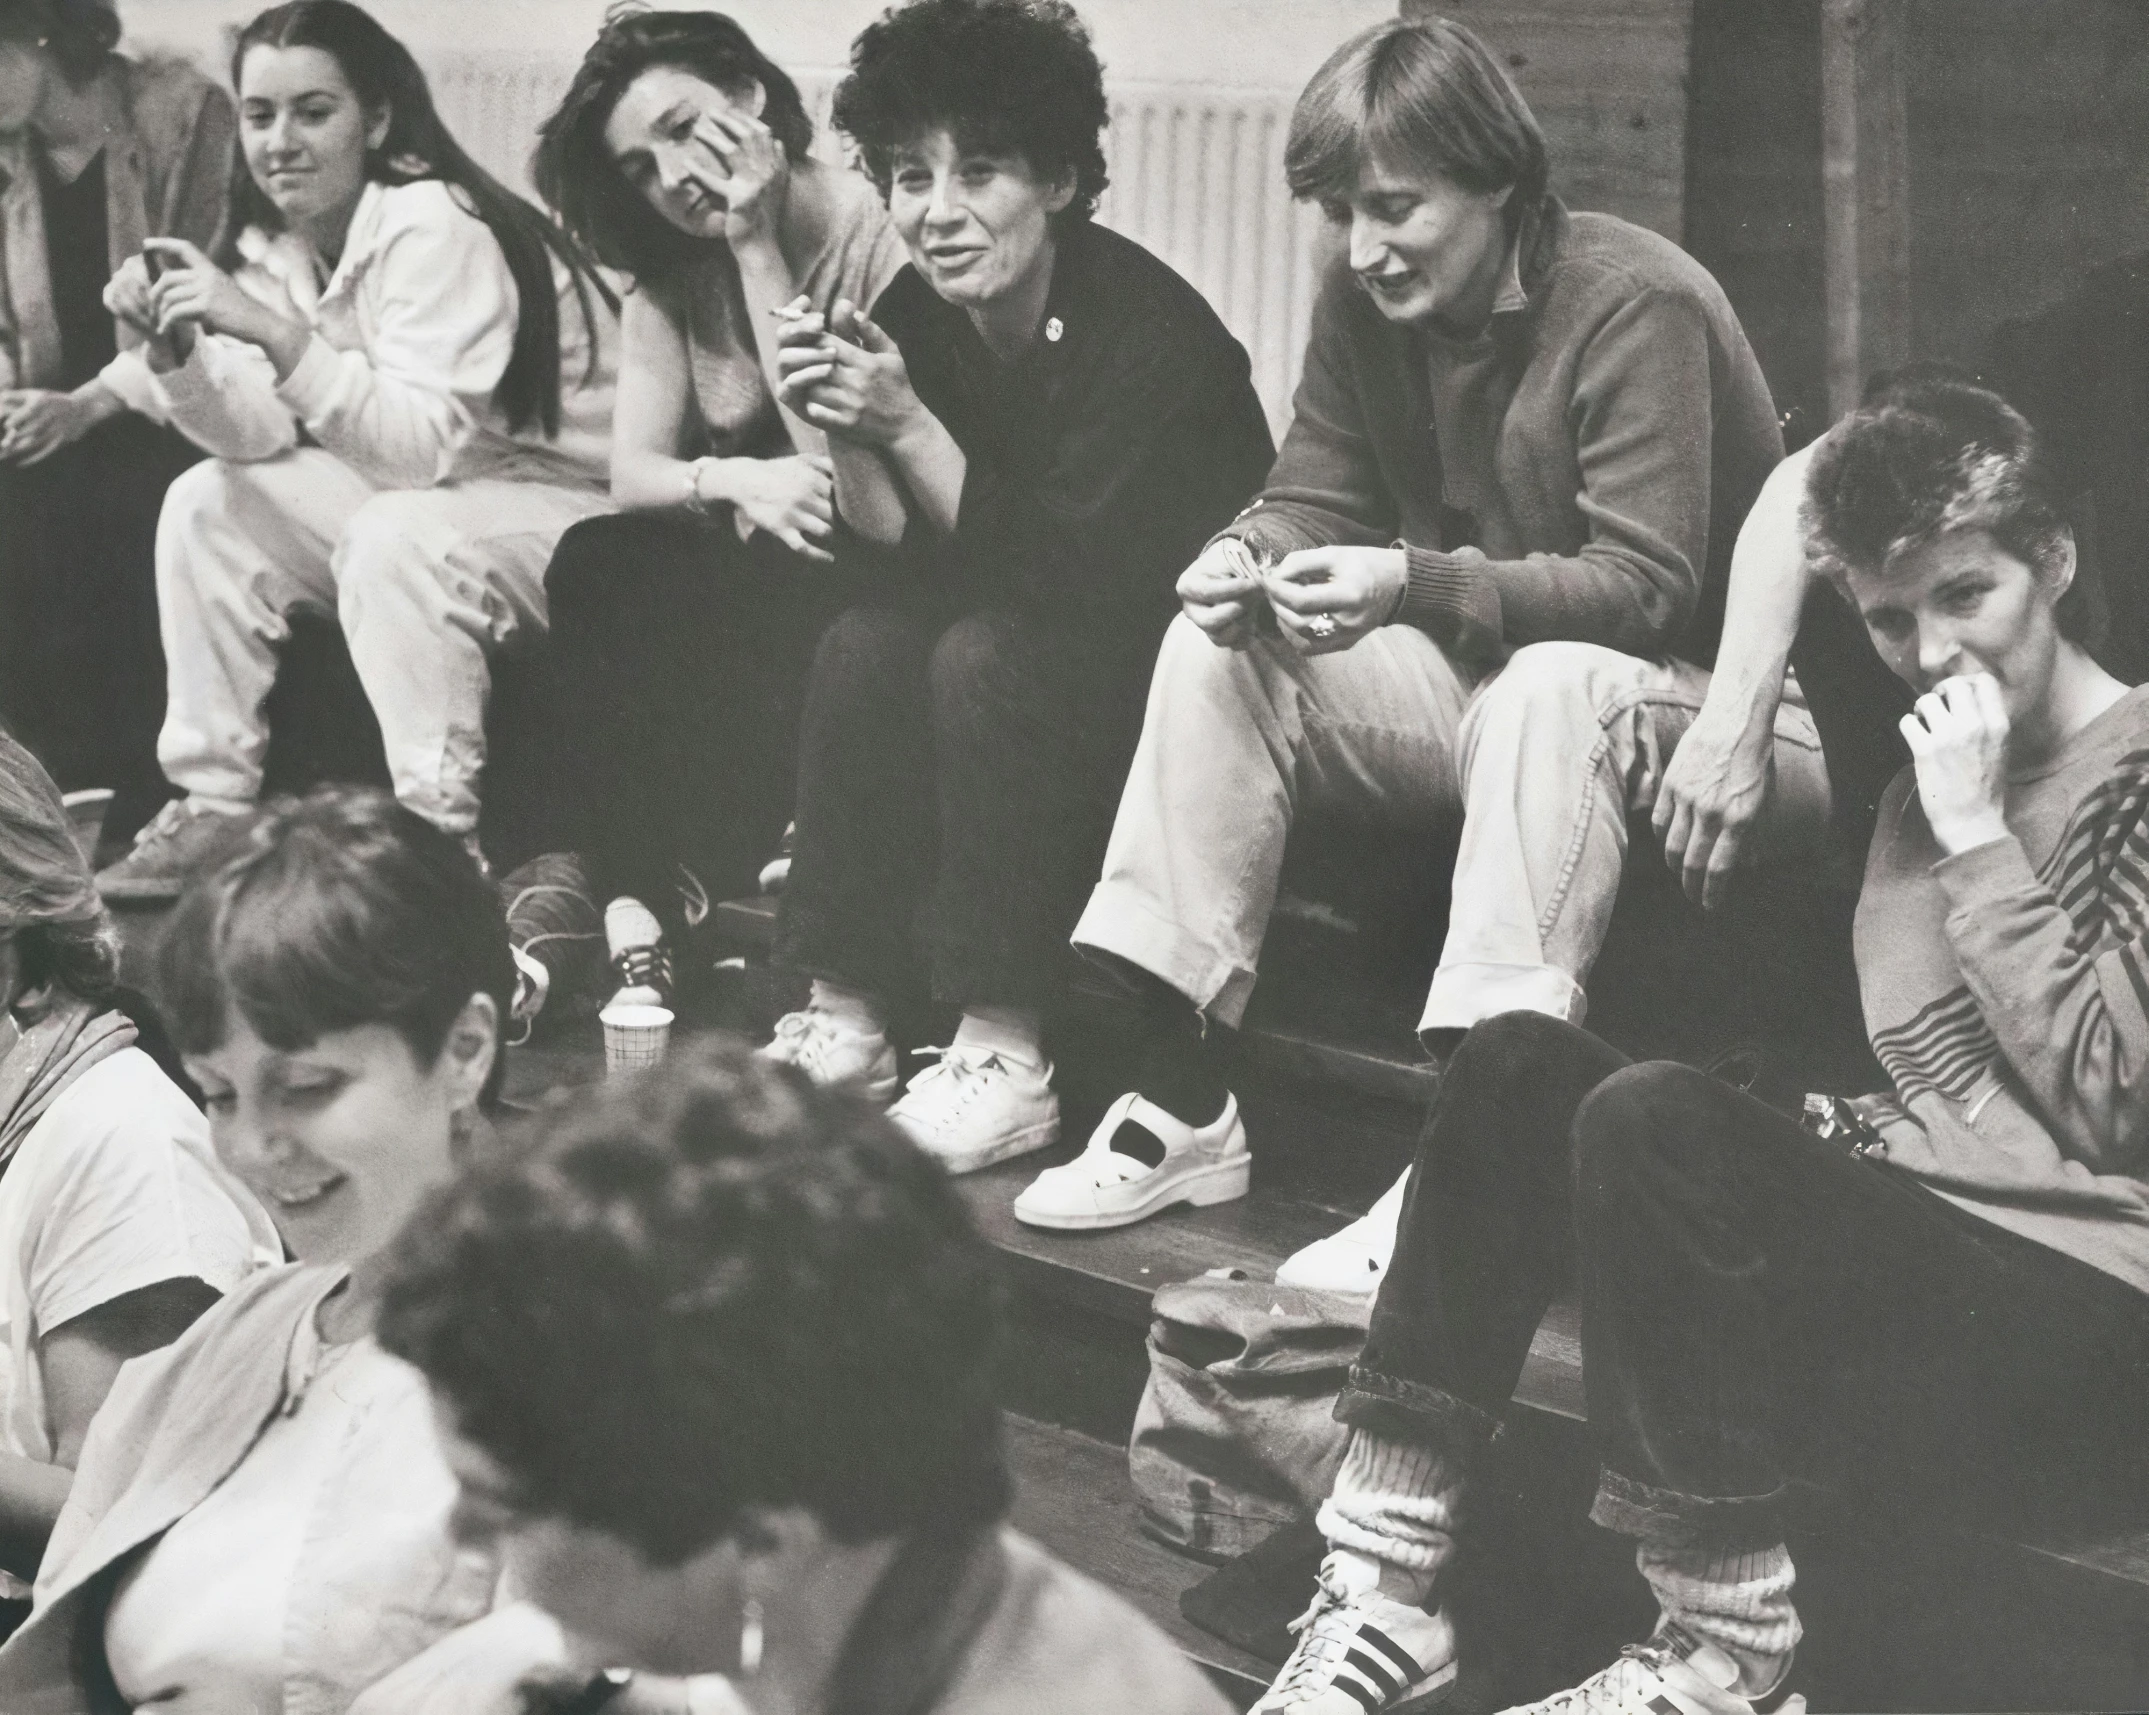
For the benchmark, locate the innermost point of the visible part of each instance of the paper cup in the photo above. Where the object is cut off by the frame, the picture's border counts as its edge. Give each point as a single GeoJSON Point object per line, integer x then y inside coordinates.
{"type": "Point", "coordinates": [634, 1036]}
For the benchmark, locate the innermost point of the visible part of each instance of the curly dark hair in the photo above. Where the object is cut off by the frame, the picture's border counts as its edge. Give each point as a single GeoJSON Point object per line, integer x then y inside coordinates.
{"type": "Point", "coordinates": [333, 910]}
{"type": "Point", "coordinates": [1015, 77]}
{"type": "Point", "coordinates": [573, 168]}
{"type": "Point", "coordinates": [1933, 454]}
{"type": "Point", "coordinates": [79, 34]}
{"type": "Point", "coordinates": [708, 1288]}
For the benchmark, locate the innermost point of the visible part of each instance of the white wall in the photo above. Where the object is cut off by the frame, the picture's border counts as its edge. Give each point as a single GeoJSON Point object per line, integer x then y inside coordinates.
{"type": "Point", "coordinates": [1249, 44]}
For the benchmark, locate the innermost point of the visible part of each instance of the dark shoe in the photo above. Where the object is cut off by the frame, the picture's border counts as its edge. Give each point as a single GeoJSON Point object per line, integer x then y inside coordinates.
{"type": "Point", "coordinates": [179, 842]}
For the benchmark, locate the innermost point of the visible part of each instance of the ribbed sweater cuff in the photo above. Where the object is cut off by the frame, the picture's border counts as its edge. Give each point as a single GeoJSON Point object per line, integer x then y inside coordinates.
{"type": "Point", "coordinates": [1447, 597]}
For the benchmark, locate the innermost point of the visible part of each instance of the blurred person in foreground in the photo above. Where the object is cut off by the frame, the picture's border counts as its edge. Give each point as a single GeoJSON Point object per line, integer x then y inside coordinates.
{"type": "Point", "coordinates": [710, 1356]}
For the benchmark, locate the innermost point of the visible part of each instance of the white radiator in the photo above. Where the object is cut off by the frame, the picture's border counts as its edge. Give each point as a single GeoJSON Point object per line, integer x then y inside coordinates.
{"type": "Point", "coordinates": [1197, 177]}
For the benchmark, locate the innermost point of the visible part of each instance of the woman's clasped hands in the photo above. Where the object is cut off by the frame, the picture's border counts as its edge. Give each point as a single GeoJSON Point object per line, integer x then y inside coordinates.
{"type": "Point", "coordinates": [1322, 600]}
{"type": "Point", "coordinates": [844, 375]}
{"type": "Point", "coordinates": [185, 292]}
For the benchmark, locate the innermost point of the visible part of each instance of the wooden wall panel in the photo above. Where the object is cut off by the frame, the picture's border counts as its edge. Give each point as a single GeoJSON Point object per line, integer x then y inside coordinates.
{"type": "Point", "coordinates": [1607, 81]}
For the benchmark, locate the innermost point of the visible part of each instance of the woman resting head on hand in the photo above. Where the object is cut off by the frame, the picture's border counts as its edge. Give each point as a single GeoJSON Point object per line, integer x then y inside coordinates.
{"type": "Point", "coordinates": [711, 1358]}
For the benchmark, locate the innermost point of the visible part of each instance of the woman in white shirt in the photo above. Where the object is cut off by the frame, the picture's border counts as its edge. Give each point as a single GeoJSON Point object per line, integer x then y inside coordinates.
{"type": "Point", "coordinates": [262, 1516]}
{"type": "Point", "coordinates": [118, 1227]}
{"type": "Point", "coordinates": [404, 373]}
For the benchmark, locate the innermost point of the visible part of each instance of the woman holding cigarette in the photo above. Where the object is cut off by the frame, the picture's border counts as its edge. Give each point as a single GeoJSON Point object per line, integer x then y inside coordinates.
{"type": "Point", "coordinates": [403, 371]}
{"type": "Point", "coordinates": [682, 627]}
{"type": "Point", "coordinates": [1068, 421]}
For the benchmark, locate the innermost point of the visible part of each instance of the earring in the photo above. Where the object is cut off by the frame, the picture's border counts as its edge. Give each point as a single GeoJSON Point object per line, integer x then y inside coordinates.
{"type": "Point", "coordinates": [462, 1127]}
{"type": "Point", "coordinates": [750, 1638]}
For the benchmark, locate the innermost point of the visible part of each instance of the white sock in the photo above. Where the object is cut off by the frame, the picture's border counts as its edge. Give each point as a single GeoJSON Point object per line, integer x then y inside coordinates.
{"type": "Point", "coordinates": [1737, 1599]}
{"type": "Point", "coordinates": [1014, 1033]}
{"type": "Point", "coordinates": [1397, 1502]}
{"type": "Point", "coordinates": [853, 1007]}
{"type": "Point", "coordinates": [219, 806]}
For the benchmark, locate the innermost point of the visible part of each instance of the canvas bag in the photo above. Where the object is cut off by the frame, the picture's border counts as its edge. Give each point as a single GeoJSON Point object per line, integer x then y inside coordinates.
{"type": "Point", "coordinates": [1236, 1432]}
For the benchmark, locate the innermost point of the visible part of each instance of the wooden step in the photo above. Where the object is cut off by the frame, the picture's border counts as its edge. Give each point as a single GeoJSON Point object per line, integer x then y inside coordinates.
{"type": "Point", "coordinates": [1072, 1494]}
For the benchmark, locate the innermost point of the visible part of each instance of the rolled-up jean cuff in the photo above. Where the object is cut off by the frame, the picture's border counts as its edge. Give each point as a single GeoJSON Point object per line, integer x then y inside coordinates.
{"type": "Point", "coordinates": [1467, 994]}
{"type": "Point", "coordinates": [1664, 1518]}
{"type": "Point", "coordinates": [1120, 919]}
{"type": "Point", "coordinates": [1413, 1411]}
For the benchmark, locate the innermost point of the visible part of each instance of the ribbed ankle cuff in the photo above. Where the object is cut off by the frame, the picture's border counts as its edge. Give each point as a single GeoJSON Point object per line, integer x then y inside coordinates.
{"type": "Point", "coordinates": [1736, 1598]}
{"type": "Point", "coordinates": [1398, 1501]}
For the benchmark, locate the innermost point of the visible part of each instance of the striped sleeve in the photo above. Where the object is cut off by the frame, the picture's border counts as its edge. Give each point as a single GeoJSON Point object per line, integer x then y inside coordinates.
{"type": "Point", "coordinates": [2064, 990]}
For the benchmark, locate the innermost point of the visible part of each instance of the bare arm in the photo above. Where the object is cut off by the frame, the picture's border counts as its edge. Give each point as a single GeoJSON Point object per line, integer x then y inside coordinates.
{"type": "Point", "coordinates": [81, 1359]}
{"type": "Point", "coordinates": [1718, 777]}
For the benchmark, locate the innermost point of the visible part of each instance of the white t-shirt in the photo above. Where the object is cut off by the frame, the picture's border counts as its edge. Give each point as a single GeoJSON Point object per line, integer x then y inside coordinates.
{"type": "Point", "coordinates": [116, 1188]}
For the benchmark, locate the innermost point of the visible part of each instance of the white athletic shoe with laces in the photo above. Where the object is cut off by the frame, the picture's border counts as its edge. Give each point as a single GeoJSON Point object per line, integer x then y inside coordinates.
{"type": "Point", "coordinates": [1355, 1260]}
{"type": "Point", "coordinates": [832, 1050]}
{"type": "Point", "coordinates": [1103, 1188]}
{"type": "Point", "coordinates": [977, 1107]}
{"type": "Point", "coordinates": [1359, 1652]}
{"type": "Point", "coordinates": [1672, 1674]}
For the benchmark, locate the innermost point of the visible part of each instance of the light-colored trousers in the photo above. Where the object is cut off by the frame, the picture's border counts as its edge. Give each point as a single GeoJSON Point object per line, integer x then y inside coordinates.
{"type": "Point", "coordinates": [1544, 760]}
{"type": "Point", "coordinates": [427, 584]}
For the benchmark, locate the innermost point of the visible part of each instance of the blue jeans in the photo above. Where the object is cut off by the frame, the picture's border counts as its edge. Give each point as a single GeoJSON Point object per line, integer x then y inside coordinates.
{"type": "Point", "coordinates": [1759, 1307]}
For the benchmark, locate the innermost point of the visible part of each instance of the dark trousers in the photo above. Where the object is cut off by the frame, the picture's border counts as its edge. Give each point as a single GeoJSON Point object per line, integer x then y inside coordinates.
{"type": "Point", "coordinates": [1759, 1307]}
{"type": "Point", "coordinates": [967, 769]}
{"type": "Point", "coordinates": [679, 665]}
{"type": "Point", "coordinates": [81, 664]}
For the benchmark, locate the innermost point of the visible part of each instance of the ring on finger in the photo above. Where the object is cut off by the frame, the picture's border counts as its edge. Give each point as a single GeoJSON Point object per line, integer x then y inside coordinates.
{"type": "Point", "coordinates": [1321, 625]}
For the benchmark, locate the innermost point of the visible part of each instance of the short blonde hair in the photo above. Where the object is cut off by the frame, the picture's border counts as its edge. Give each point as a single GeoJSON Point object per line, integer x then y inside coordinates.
{"type": "Point", "coordinates": [1424, 93]}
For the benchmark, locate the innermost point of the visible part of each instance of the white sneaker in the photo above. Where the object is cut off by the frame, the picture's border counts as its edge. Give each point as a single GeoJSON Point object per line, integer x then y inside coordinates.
{"type": "Point", "coordinates": [1102, 1188]}
{"type": "Point", "coordinates": [643, 963]}
{"type": "Point", "coordinates": [976, 1108]}
{"type": "Point", "coordinates": [1354, 1261]}
{"type": "Point", "coordinates": [1359, 1652]}
{"type": "Point", "coordinates": [1671, 1674]}
{"type": "Point", "coordinates": [832, 1050]}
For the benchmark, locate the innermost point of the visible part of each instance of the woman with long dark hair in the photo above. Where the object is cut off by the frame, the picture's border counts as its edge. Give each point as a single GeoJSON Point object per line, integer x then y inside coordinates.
{"type": "Point", "coordinates": [99, 151]}
{"type": "Point", "coordinates": [444, 352]}
{"type": "Point", "coordinates": [682, 628]}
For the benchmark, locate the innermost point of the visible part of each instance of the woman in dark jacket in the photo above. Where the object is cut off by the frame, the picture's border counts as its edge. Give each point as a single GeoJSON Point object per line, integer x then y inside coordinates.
{"type": "Point", "coordinates": [1052, 421]}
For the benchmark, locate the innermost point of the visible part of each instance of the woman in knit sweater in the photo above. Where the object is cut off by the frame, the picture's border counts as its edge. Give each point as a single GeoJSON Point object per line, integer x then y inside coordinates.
{"type": "Point", "coordinates": [1934, 1297]}
{"type": "Point", "coordinates": [1484, 583]}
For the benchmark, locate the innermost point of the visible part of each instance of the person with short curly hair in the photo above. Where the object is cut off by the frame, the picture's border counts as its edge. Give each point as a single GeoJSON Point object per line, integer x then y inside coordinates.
{"type": "Point", "coordinates": [118, 1225]}
{"type": "Point", "coordinates": [711, 1352]}
{"type": "Point", "coordinates": [1933, 1299]}
{"type": "Point", "coordinates": [99, 150]}
{"type": "Point", "coordinates": [1068, 420]}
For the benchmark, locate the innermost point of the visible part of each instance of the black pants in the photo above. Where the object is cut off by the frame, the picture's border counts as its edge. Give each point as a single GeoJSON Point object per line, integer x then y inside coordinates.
{"type": "Point", "coordinates": [1759, 1307]}
{"type": "Point", "coordinates": [969, 767]}
{"type": "Point", "coordinates": [81, 665]}
{"type": "Point", "coordinates": [679, 662]}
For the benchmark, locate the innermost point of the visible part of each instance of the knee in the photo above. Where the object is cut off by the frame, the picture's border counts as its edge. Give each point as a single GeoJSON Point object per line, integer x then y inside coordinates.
{"type": "Point", "coordinates": [976, 670]}
{"type": "Point", "coordinates": [1505, 1052]}
{"type": "Point", "coordinates": [198, 500]}
{"type": "Point", "coordinates": [588, 556]}
{"type": "Point", "coordinates": [1644, 1132]}
{"type": "Point", "coordinates": [1562, 680]}
{"type": "Point", "coordinates": [865, 654]}
{"type": "Point", "coordinates": [396, 540]}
